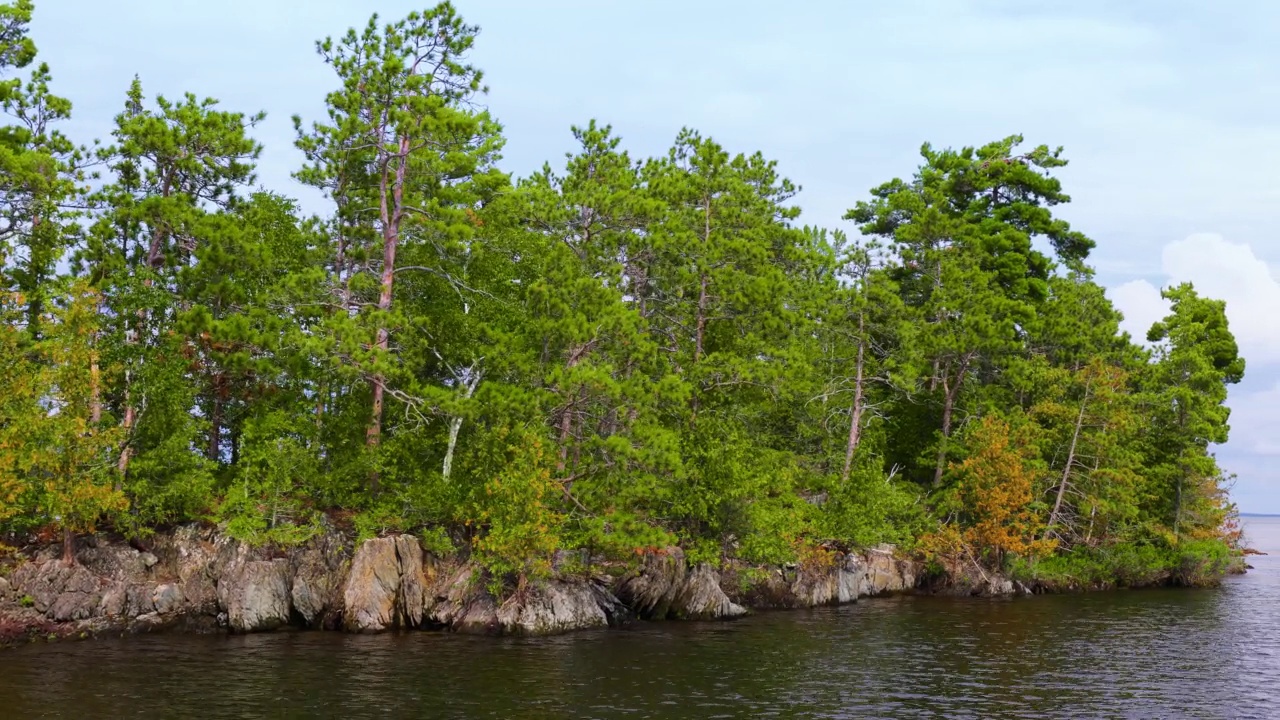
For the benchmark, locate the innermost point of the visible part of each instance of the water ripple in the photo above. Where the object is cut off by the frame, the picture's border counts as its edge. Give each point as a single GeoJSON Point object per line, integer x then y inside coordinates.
{"type": "Point", "coordinates": [1142, 654]}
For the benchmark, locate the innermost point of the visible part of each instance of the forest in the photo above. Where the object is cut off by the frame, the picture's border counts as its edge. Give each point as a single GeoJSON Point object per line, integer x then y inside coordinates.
{"type": "Point", "coordinates": [613, 355]}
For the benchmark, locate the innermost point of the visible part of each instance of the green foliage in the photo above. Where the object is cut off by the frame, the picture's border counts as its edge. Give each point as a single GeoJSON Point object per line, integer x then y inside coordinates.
{"type": "Point", "coordinates": [516, 511]}
{"type": "Point", "coordinates": [870, 508]}
{"type": "Point", "coordinates": [73, 450]}
{"type": "Point", "coordinates": [267, 500]}
{"type": "Point", "coordinates": [20, 413]}
{"type": "Point", "coordinates": [1133, 564]}
{"type": "Point", "coordinates": [597, 362]}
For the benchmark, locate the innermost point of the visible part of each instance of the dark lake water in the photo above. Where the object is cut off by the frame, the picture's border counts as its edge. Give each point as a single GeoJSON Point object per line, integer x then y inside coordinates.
{"type": "Point", "coordinates": [1141, 654]}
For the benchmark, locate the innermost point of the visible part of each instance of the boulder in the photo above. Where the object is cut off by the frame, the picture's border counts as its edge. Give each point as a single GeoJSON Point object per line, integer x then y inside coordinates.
{"type": "Point", "coordinates": [114, 562]}
{"type": "Point", "coordinates": [886, 573]}
{"type": "Point", "coordinates": [458, 600]}
{"type": "Point", "coordinates": [651, 590]}
{"type": "Point", "coordinates": [60, 592]}
{"type": "Point", "coordinates": [191, 556]}
{"type": "Point", "coordinates": [386, 587]}
{"type": "Point", "coordinates": [839, 582]}
{"type": "Point", "coordinates": [256, 595]}
{"type": "Point", "coordinates": [137, 600]}
{"type": "Point", "coordinates": [666, 588]}
{"type": "Point", "coordinates": [700, 597]}
{"type": "Point", "coordinates": [166, 598]}
{"type": "Point", "coordinates": [319, 572]}
{"type": "Point", "coordinates": [461, 601]}
{"type": "Point", "coordinates": [559, 606]}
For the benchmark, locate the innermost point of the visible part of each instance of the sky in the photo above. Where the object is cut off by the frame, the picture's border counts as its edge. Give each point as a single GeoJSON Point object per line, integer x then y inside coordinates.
{"type": "Point", "coordinates": [1169, 114]}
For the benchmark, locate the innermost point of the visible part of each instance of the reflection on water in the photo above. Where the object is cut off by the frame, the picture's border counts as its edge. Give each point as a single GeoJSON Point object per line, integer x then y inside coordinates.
{"type": "Point", "coordinates": [1141, 654]}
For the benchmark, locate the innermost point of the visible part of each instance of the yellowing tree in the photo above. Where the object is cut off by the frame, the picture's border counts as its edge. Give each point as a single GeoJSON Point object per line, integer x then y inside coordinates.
{"type": "Point", "coordinates": [72, 450]}
{"type": "Point", "coordinates": [19, 408]}
{"type": "Point", "coordinates": [997, 488]}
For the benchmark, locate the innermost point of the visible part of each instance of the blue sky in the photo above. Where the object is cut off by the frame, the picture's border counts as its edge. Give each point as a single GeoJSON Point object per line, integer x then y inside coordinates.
{"type": "Point", "coordinates": [1169, 113]}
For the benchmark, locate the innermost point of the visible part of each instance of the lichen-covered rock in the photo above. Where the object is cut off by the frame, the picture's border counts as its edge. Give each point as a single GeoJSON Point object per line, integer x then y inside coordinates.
{"type": "Point", "coordinates": [886, 573]}
{"type": "Point", "coordinates": [651, 590]}
{"type": "Point", "coordinates": [166, 598]}
{"type": "Point", "coordinates": [385, 588]}
{"type": "Point", "coordinates": [319, 574]}
{"type": "Point", "coordinates": [256, 595]}
{"type": "Point", "coordinates": [700, 597]}
{"type": "Point", "coordinates": [665, 587]}
{"type": "Point", "coordinates": [559, 606]}
{"type": "Point", "coordinates": [59, 591]}
{"type": "Point", "coordinates": [196, 577]}
{"type": "Point", "coordinates": [460, 601]}
{"type": "Point", "coordinates": [836, 583]}
{"type": "Point", "coordinates": [968, 580]}
{"type": "Point", "coordinates": [411, 600]}
{"type": "Point", "coordinates": [190, 555]}
{"type": "Point", "coordinates": [137, 600]}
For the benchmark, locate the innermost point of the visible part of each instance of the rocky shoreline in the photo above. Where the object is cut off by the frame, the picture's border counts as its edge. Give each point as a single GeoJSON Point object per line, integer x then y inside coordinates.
{"type": "Point", "coordinates": [196, 579]}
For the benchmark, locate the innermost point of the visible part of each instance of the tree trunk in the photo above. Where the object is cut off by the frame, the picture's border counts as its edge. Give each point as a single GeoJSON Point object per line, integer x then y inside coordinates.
{"type": "Point", "coordinates": [566, 425]}
{"type": "Point", "coordinates": [455, 426]}
{"type": "Point", "coordinates": [95, 391]}
{"type": "Point", "coordinates": [235, 447]}
{"type": "Point", "coordinates": [946, 437]}
{"type": "Point", "coordinates": [68, 547]}
{"type": "Point", "coordinates": [215, 422]}
{"type": "Point", "coordinates": [951, 391]}
{"type": "Point", "coordinates": [392, 212]}
{"type": "Point", "coordinates": [1066, 471]}
{"type": "Point", "coordinates": [130, 417]}
{"type": "Point", "coordinates": [855, 412]}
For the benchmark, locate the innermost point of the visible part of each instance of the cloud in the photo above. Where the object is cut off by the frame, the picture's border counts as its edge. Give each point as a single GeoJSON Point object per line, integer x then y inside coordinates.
{"type": "Point", "coordinates": [1254, 451]}
{"type": "Point", "coordinates": [1142, 306]}
{"type": "Point", "coordinates": [1254, 418]}
{"type": "Point", "coordinates": [1232, 272]}
{"type": "Point", "coordinates": [1221, 270]}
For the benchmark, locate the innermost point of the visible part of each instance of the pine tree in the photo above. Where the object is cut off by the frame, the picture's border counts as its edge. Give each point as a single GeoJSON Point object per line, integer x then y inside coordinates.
{"type": "Point", "coordinates": [40, 171]}
{"type": "Point", "coordinates": [1196, 359]}
{"type": "Point", "coordinates": [401, 158]}
{"type": "Point", "coordinates": [963, 228]}
{"type": "Point", "coordinates": [173, 168]}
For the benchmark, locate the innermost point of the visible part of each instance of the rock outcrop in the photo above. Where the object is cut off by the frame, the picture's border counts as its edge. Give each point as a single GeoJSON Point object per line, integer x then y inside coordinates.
{"type": "Point", "coordinates": [197, 578]}
{"type": "Point", "coordinates": [665, 587]}
{"type": "Point", "coordinates": [385, 588]}
{"type": "Point", "coordinates": [393, 584]}
{"type": "Point", "coordinates": [837, 579]}
{"type": "Point", "coordinates": [969, 580]}
{"type": "Point", "coordinates": [561, 606]}
{"type": "Point", "coordinates": [887, 573]}
{"type": "Point", "coordinates": [256, 595]}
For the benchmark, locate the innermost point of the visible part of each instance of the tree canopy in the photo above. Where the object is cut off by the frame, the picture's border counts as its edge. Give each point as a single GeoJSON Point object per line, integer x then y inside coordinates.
{"type": "Point", "coordinates": [610, 355]}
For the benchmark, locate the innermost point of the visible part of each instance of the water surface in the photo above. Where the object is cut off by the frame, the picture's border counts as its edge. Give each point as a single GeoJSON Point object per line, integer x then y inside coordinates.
{"type": "Point", "coordinates": [1138, 654]}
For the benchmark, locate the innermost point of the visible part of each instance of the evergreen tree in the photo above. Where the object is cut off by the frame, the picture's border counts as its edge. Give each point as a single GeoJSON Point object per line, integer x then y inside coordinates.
{"type": "Point", "coordinates": [405, 158]}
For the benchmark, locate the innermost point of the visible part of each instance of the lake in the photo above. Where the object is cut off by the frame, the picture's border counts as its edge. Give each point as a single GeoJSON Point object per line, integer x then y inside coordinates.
{"type": "Point", "coordinates": [1129, 654]}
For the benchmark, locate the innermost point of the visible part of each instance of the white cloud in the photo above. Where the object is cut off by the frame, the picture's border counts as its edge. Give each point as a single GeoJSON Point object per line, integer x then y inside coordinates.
{"type": "Point", "coordinates": [1142, 306]}
{"type": "Point", "coordinates": [1254, 418]}
{"type": "Point", "coordinates": [1221, 270]}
